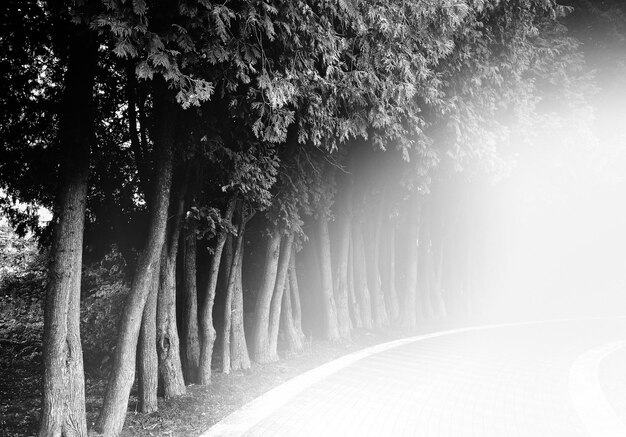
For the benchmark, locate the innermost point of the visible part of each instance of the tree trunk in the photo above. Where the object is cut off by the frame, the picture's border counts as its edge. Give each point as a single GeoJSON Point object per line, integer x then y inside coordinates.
{"type": "Point", "coordinates": [293, 340]}
{"type": "Point", "coordinates": [425, 270]}
{"type": "Point", "coordinates": [207, 329]}
{"type": "Point", "coordinates": [360, 277]}
{"type": "Point", "coordinates": [328, 299]}
{"type": "Point", "coordinates": [191, 340]}
{"type": "Point", "coordinates": [63, 406]}
{"type": "Point", "coordinates": [261, 345]}
{"type": "Point", "coordinates": [277, 298]}
{"type": "Point", "coordinates": [408, 313]}
{"type": "Point", "coordinates": [438, 289]}
{"type": "Point", "coordinates": [234, 281]}
{"type": "Point", "coordinates": [391, 292]}
{"type": "Point", "coordinates": [111, 419]}
{"type": "Point", "coordinates": [295, 294]}
{"type": "Point", "coordinates": [239, 358]}
{"type": "Point", "coordinates": [168, 343]}
{"type": "Point", "coordinates": [148, 360]}
{"type": "Point", "coordinates": [354, 304]}
{"type": "Point", "coordinates": [341, 277]}
{"type": "Point", "coordinates": [379, 310]}
{"type": "Point", "coordinates": [138, 152]}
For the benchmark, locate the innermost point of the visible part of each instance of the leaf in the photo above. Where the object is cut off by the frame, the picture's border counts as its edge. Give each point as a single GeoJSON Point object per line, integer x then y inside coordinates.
{"type": "Point", "coordinates": [139, 7]}
{"type": "Point", "coordinates": [143, 70]}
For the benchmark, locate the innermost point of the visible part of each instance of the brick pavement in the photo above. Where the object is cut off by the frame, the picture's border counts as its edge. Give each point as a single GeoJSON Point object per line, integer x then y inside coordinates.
{"type": "Point", "coordinates": [500, 382]}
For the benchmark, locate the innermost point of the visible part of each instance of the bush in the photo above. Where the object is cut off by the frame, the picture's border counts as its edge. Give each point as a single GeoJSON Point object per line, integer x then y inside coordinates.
{"type": "Point", "coordinates": [104, 292]}
{"type": "Point", "coordinates": [22, 296]}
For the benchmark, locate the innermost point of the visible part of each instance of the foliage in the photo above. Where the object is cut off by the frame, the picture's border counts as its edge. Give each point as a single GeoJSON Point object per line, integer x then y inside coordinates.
{"type": "Point", "coordinates": [22, 293]}
{"type": "Point", "coordinates": [104, 289]}
{"type": "Point", "coordinates": [22, 283]}
{"type": "Point", "coordinates": [29, 97]}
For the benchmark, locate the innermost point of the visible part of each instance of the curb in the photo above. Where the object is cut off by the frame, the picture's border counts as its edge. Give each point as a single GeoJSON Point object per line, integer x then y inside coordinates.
{"type": "Point", "coordinates": [591, 405]}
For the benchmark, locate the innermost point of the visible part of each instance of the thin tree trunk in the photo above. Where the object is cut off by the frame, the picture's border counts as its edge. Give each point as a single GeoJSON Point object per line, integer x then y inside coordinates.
{"type": "Point", "coordinates": [426, 270]}
{"type": "Point", "coordinates": [379, 310]}
{"type": "Point", "coordinates": [390, 280]}
{"type": "Point", "coordinates": [328, 299]}
{"type": "Point", "coordinates": [468, 288]}
{"type": "Point", "coordinates": [277, 298]}
{"type": "Point", "coordinates": [191, 340]}
{"type": "Point", "coordinates": [354, 304]}
{"type": "Point", "coordinates": [143, 121]}
{"type": "Point", "coordinates": [135, 145]}
{"type": "Point", "coordinates": [168, 343]}
{"type": "Point", "coordinates": [261, 344]}
{"type": "Point", "coordinates": [113, 412]}
{"type": "Point", "coordinates": [63, 406]}
{"type": "Point", "coordinates": [293, 340]}
{"type": "Point", "coordinates": [341, 277]}
{"type": "Point", "coordinates": [229, 260]}
{"type": "Point", "coordinates": [207, 329]}
{"type": "Point", "coordinates": [441, 306]}
{"type": "Point", "coordinates": [148, 380]}
{"type": "Point", "coordinates": [408, 313]}
{"type": "Point", "coordinates": [239, 358]}
{"type": "Point", "coordinates": [295, 294]}
{"type": "Point", "coordinates": [232, 283]}
{"type": "Point", "coordinates": [360, 277]}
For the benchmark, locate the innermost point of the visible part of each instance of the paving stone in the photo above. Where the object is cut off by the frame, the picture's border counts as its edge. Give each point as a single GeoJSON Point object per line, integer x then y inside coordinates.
{"type": "Point", "coordinates": [501, 382]}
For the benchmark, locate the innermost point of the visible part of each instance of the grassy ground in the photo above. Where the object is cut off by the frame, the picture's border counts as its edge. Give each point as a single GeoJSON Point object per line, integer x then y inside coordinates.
{"type": "Point", "coordinates": [189, 415]}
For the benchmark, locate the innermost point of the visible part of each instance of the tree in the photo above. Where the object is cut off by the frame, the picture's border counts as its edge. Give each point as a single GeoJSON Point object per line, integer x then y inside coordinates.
{"type": "Point", "coordinates": [167, 340]}
{"type": "Point", "coordinates": [113, 411]}
{"type": "Point", "coordinates": [63, 411]}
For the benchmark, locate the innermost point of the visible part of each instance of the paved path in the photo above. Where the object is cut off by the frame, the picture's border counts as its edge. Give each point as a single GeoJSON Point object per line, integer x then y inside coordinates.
{"type": "Point", "coordinates": [533, 380]}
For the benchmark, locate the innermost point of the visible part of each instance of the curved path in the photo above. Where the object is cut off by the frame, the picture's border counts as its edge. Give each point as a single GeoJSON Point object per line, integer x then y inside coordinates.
{"type": "Point", "coordinates": [534, 380]}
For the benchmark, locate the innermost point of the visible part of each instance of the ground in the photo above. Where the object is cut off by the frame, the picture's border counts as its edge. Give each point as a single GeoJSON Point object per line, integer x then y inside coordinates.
{"type": "Point", "coordinates": [20, 388]}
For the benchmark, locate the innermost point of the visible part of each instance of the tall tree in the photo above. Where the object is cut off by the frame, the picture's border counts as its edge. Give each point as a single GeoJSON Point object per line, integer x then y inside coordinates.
{"type": "Point", "coordinates": [63, 410]}
{"type": "Point", "coordinates": [113, 410]}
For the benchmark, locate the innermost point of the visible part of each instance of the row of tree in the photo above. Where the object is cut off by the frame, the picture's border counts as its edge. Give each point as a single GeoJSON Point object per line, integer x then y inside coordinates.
{"type": "Point", "coordinates": [186, 133]}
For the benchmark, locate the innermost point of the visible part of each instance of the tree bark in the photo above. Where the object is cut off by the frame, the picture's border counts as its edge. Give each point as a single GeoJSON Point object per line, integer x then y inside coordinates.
{"type": "Point", "coordinates": [239, 358]}
{"type": "Point", "coordinates": [277, 298]}
{"type": "Point", "coordinates": [148, 359]}
{"type": "Point", "coordinates": [234, 282]}
{"type": "Point", "coordinates": [328, 299]}
{"type": "Point", "coordinates": [379, 309]}
{"type": "Point", "coordinates": [135, 145]}
{"type": "Point", "coordinates": [63, 406]}
{"type": "Point", "coordinates": [261, 345]}
{"type": "Point", "coordinates": [293, 340]}
{"type": "Point", "coordinates": [355, 313]}
{"type": "Point", "coordinates": [438, 288]}
{"type": "Point", "coordinates": [425, 271]}
{"type": "Point", "coordinates": [341, 277]}
{"type": "Point", "coordinates": [168, 343]}
{"type": "Point", "coordinates": [111, 419]}
{"type": "Point", "coordinates": [295, 294]}
{"type": "Point", "coordinates": [408, 313]}
{"type": "Point", "coordinates": [207, 329]}
{"type": "Point", "coordinates": [391, 292]}
{"type": "Point", "coordinates": [191, 340]}
{"type": "Point", "coordinates": [360, 277]}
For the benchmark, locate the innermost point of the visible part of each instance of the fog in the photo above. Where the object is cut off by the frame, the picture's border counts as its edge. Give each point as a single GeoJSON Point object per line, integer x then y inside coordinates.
{"type": "Point", "coordinates": [555, 241]}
